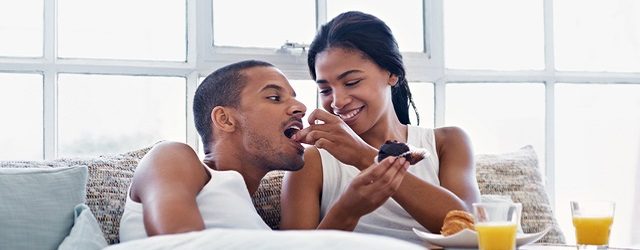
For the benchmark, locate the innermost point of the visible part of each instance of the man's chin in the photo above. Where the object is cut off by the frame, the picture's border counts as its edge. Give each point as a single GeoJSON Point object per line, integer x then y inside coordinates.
{"type": "Point", "coordinates": [294, 165]}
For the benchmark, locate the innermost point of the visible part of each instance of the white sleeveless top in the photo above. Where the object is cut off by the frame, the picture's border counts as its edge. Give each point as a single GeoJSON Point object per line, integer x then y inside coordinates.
{"type": "Point", "coordinates": [224, 202]}
{"type": "Point", "coordinates": [390, 219]}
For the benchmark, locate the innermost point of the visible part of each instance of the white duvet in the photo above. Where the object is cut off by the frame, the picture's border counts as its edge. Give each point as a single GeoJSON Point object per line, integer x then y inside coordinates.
{"type": "Point", "coordinates": [264, 239]}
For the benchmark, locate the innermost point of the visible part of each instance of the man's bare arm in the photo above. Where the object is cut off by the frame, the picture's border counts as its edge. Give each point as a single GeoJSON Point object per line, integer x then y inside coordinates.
{"type": "Point", "coordinates": [166, 182]}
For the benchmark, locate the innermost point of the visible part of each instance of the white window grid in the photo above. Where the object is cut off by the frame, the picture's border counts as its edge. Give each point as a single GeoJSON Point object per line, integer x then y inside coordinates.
{"type": "Point", "coordinates": [203, 57]}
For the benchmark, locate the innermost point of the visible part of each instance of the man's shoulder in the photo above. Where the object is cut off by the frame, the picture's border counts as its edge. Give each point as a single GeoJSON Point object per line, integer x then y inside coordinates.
{"type": "Point", "coordinates": [171, 147]}
{"type": "Point", "coordinates": [171, 165]}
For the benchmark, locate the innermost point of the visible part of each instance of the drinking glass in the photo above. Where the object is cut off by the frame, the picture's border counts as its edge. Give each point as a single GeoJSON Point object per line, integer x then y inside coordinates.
{"type": "Point", "coordinates": [592, 221]}
{"type": "Point", "coordinates": [496, 224]}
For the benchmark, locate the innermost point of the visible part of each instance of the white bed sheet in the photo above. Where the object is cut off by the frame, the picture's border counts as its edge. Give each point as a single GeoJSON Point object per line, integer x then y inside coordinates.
{"type": "Point", "coordinates": [264, 239]}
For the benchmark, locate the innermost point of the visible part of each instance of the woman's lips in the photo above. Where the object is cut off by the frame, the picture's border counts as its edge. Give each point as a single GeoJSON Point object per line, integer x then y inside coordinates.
{"type": "Point", "coordinates": [350, 116]}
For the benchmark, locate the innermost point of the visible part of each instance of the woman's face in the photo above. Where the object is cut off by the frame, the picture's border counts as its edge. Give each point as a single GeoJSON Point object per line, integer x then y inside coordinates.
{"type": "Point", "coordinates": [354, 87]}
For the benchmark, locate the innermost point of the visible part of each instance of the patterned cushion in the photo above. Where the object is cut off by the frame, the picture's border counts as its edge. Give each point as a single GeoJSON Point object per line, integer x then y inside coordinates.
{"type": "Point", "coordinates": [267, 198]}
{"type": "Point", "coordinates": [517, 175]}
{"type": "Point", "coordinates": [109, 179]}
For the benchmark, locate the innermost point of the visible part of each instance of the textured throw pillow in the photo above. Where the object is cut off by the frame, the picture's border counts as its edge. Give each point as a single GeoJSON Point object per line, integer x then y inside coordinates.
{"type": "Point", "coordinates": [36, 205]}
{"type": "Point", "coordinates": [517, 175]}
{"type": "Point", "coordinates": [267, 198]}
{"type": "Point", "coordinates": [106, 192]}
{"type": "Point", "coordinates": [85, 233]}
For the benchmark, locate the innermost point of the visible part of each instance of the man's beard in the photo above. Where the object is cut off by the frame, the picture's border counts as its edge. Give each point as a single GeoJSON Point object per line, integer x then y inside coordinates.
{"type": "Point", "coordinates": [269, 157]}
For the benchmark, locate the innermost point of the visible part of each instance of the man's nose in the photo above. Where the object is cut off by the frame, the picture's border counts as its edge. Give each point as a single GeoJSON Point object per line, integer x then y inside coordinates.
{"type": "Point", "coordinates": [298, 109]}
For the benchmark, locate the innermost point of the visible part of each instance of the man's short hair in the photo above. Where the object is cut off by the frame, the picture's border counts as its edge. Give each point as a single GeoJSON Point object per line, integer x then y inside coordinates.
{"type": "Point", "coordinates": [220, 88]}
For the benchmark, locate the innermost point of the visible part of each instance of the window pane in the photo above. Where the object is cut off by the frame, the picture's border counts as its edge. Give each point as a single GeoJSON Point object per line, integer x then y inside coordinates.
{"type": "Point", "coordinates": [266, 24]}
{"type": "Point", "coordinates": [597, 145]}
{"type": "Point", "coordinates": [597, 35]}
{"type": "Point", "coordinates": [21, 28]}
{"type": "Point", "coordinates": [494, 34]}
{"type": "Point", "coordinates": [307, 93]}
{"type": "Point", "coordinates": [405, 20]}
{"type": "Point", "coordinates": [424, 99]}
{"type": "Point", "coordinates": [21, 133]}
{"type": "Point", "coordinates": [122, 29]}
{"type": "Point", "coordinates": [499, 117]}
{"type": "Point", "coordinates": [100, 114]}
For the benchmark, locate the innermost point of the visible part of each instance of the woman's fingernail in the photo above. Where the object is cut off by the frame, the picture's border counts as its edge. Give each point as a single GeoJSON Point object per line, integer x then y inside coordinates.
{"type": "Point", "coordinates": [402, 160]}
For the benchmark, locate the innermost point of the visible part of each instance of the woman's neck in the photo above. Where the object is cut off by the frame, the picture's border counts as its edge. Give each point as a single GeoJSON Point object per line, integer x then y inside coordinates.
{"type": "Point", "coordinates": [387, 128]}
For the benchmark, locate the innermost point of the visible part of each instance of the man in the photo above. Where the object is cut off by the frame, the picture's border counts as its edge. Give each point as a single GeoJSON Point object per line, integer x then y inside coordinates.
{"type": "Point", "coordinates": [245, 114]}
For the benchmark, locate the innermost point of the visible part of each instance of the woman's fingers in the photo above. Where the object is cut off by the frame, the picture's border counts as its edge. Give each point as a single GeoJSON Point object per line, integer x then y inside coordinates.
{"type": "Point", "coordinates": [391, 173]}
{"type": "Point", "coordinates": [399, 176]}
{"type": "Point", "coordinates": [325, 144]}
{"type": "Point", "coordinates": [310, 135]}
{"type": "Point", "coordinates": [323, 116]}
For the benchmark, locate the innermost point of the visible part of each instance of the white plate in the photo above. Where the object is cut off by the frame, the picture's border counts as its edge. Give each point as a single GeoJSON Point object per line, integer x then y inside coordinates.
{"type": "Point", "coordinates": [469, 238]}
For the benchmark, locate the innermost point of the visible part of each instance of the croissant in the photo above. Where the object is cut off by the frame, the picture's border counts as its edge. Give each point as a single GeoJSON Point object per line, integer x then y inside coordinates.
{"type": "Point", "coordinates": [455, 221]}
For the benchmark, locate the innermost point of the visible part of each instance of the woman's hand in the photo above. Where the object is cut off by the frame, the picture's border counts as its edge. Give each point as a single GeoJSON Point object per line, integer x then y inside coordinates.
{"type": "Point", "coordinates": [337, 137]}
{"type": "Point", "coordinates": [372, 187]}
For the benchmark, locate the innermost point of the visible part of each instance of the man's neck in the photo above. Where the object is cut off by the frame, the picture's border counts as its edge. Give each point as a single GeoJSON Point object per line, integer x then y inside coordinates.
{"type": "Point", "coordinates": [224, 158]}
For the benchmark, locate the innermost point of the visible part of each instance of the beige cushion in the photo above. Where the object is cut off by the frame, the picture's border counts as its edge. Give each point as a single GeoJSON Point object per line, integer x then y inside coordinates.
{"type": "Point", "coordinates": [517, 175]}
{"type": "Point", "coordinates": [109, 179]}
{"type": "Point", "coordinates": [267, 198]}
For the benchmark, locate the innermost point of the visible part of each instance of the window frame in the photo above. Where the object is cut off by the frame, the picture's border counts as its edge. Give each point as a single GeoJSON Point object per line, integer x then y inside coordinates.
{"type": "Point", "coordinates": [202, 57]}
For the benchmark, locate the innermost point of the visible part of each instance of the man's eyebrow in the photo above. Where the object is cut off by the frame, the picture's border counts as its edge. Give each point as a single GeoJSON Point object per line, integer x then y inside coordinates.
{"type": "Point", "coordinates": [271, 86]}
{"type": "Point", "coordinates": [276, 87]}
{"type": "Point", "coordinates": [343, 75]}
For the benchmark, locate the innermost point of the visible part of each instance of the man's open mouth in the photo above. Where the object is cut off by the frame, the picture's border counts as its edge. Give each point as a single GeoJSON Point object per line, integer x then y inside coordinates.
{"type": "Point", "coordinates": [292, 129]}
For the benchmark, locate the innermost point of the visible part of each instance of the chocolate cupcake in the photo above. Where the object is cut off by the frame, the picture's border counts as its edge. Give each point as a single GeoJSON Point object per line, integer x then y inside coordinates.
{"type": "Point", "coordinates": [395, 148]}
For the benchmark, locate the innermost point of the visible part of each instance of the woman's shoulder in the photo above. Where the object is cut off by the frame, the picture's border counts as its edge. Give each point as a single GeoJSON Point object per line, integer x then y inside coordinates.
{"type": "Point", "coordinates": [451, 139]}
{"type": "Point", "coordinates": [450, 132]}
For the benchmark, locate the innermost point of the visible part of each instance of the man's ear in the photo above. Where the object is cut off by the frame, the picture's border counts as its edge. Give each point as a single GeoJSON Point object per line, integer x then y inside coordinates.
{"type": "Point", "coordinates": [222, 119]}
{"type": "Point", "coordinates": [393, 79]}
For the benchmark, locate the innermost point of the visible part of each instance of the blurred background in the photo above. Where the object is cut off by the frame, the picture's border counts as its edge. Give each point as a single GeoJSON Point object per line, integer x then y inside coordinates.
{"type": "Point", "coordinates": [81, 78]}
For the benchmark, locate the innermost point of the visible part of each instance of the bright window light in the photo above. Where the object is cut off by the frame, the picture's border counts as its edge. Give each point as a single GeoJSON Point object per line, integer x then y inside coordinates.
{"type": "Point", "coordinates": [100, 114]}
{"type": "Point", "coordinates": [494, 34]}
{"type": "Point", "coordinates": [263, 24]}
{"type": "Point", "coordinates": [21, 133]}
{"type": "Point", "coordinates": [499, 117]}
{"type": "Point", "coordinates": [595, 35]}
{"type": "Point", "coordinates": [122, 29]}
{"type": "Point", "coordinates": [424, 99]}
{"type": "Point", "coordinates": [21, 28]}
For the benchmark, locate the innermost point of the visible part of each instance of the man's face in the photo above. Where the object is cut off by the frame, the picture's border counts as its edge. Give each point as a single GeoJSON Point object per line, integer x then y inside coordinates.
{"type": "Point", "coordinates": [268, 115]}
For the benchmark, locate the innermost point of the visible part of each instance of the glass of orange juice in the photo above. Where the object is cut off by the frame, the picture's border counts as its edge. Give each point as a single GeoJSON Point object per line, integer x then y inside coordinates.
{"type": "Point", "coordinates": [592, 220]}
{"type": "Point", "coordinates": [496, 224]}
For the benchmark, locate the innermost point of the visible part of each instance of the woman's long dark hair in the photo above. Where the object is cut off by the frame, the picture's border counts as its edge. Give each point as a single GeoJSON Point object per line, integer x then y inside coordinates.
{"type": "Point", "coordinates": [371, 36]}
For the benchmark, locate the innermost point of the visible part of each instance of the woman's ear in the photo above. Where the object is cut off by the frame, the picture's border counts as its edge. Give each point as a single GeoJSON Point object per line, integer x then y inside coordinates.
{"type": "Point", "coordinates": [222, 119]}
{"type": "Point", "coordinates": [393, 79]}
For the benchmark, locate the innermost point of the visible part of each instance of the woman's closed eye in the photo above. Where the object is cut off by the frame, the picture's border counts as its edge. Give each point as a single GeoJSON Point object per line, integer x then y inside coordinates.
{"type": "Point", "coordinates": [352, 83]}
{"type": "Point", "coordinates": [325, 91]}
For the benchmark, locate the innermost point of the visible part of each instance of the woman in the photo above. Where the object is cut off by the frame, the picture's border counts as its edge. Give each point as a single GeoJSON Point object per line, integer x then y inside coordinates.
{"type": "Point", "coordinates": [356, 63]}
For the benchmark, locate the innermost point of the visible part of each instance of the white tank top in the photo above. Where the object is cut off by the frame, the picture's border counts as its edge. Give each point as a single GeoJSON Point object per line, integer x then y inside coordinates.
{"type": "Point", "coordinates": [390, 219]}
{"type": "Point", "coordinates": [224, 202]}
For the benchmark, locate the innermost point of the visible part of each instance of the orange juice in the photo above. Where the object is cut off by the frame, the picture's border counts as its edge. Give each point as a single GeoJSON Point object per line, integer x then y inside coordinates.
{"type": "Point", "coordinates": [592, 230]}
{"type": "Point", "coordinates": [496, 235]}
